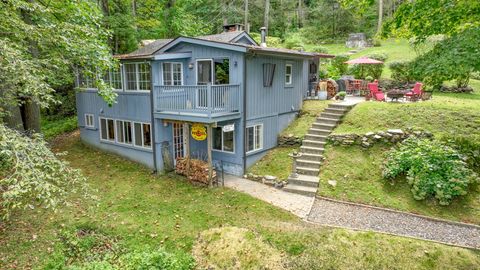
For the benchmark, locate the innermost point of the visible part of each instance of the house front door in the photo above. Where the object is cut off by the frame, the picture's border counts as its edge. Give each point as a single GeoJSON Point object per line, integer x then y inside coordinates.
{"type": "Point", "coordinates": [179, 140]}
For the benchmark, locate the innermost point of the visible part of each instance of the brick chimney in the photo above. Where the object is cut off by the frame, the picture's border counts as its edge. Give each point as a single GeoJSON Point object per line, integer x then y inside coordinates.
{"type": "Point", "coordinates": [233, 27]}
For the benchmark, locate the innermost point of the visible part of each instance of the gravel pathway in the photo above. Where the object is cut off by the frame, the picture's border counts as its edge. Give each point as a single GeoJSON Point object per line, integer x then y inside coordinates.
{"type": "Point", "coordinates": [346, 215]}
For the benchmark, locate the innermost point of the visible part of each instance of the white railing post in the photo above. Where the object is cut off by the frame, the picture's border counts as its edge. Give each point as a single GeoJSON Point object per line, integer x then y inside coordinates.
{"type": "Point", "coordinates": [209, 99]}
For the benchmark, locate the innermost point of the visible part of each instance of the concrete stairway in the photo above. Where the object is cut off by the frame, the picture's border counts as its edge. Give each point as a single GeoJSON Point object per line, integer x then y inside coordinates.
{"type": "Point", "coordinates": [308, 164]}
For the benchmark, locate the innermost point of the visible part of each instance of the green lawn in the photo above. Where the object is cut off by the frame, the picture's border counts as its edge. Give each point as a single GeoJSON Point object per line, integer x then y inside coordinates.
{"type": "Point", "coordinates": [310, 111]}
{"type": "Point", "coordinates": [446, 115]}
{"type": "Point", "coordinates": [395, 49]}
{"type": "Point", "coordinates": [139, 211]}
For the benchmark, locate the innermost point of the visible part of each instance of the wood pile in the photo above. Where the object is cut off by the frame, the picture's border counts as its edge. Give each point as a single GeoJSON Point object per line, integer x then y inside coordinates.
{"type": "Point", "coordinates": [198, 171]}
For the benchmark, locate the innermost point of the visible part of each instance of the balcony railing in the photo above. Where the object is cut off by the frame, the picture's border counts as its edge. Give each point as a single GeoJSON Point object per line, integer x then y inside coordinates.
{"type": "Point", "coordinates": [208, 100]}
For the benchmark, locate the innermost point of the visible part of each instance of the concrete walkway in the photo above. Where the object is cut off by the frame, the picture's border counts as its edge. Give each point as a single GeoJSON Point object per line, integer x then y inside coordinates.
{"type": "Point", "coordinates": [295, 203]}
{"type": "Point", "coordinates": [333, 213]}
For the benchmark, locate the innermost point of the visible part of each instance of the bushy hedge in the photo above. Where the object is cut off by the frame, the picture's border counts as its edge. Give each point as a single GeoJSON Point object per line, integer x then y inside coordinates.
{"type": "Point", "coordinates": [337, 66]}
{"type": "Point", "coordinates": [432, 169]}
{"type": "Point", "coordinates": [402, 71]}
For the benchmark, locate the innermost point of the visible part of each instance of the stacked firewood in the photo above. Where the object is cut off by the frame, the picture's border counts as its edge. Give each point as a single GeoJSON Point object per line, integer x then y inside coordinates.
{"type": "Point", "coordinates": [198, 171]}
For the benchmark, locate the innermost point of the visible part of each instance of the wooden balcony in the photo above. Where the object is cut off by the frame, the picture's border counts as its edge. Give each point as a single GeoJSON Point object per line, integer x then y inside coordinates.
{"type": "Point", "coordinates": [197, 103]}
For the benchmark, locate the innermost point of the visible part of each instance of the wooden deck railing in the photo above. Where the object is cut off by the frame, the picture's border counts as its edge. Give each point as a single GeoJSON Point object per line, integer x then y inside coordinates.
{"type": "Point", "coordinates": [200, 99]}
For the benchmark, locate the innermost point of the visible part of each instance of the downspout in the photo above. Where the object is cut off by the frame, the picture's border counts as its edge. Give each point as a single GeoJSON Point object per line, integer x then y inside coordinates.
{"type": "Point", "coordinates": [245, 113]}
{"type": "Point", "coordinates": [152, 123]}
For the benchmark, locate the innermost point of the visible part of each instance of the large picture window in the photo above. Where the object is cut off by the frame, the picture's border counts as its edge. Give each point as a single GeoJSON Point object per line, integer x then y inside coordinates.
{"type": "Point", "coordinates": [172, 74]}
{"type": "Point", "coordinates": [254, 138]}
{"type": "Point", "coordinates": [223, 141]}
{"type": "Point", "coordinates": [85, 81]}
{"type": "Point", "coordinates": [137, 76]}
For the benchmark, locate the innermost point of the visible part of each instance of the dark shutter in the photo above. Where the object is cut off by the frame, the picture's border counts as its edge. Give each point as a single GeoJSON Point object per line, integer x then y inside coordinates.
{"type": "Point", "coordinates": [268, 72]}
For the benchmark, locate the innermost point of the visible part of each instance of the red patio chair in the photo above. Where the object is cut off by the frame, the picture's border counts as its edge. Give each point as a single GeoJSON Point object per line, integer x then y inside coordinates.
{"type": "Point", "coordinates": [375, 93]}
{"type": "Point", "coordinates": [416, 92]}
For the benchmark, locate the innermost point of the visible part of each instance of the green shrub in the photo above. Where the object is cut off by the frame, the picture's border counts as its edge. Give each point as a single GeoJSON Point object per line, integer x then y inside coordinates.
{"type": "Point", "coordinates": [338, 66]}
{"type": "Point", "coordinates": [468, 147]}
{"type": "Point", "coordinates": [293, 41]}
{"type": "Point", "coordinates": [155, 259]}
{"type": "Point", "coordinates": [401, 71]}
{"type": "Point", "coordinates": [432, 169]}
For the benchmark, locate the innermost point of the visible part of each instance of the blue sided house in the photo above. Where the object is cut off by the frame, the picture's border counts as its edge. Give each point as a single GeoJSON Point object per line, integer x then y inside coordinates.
{"type": "Point", "coordinates": [222, 98]}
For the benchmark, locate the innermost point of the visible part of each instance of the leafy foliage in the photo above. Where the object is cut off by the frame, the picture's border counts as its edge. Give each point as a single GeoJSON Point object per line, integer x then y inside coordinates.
{"type": "Point", "coordinates": [432, 170]}
{"type": "Point", "coordinates": [337, 66]}
{"type": "Point", "coordinates": [42, 43]}
{"type": "Point", "coordinates": [424, 18]}
{"type": "Point", "coordinates": [401, 71]}
{"type": "Point", "coordinates": [452, 59]}
{"type": "Point", "coordinates": [32, 175]}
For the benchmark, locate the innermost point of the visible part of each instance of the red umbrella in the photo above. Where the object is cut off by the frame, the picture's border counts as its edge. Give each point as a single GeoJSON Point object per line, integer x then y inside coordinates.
{"type": "Point", "coordinates": [363, 60]}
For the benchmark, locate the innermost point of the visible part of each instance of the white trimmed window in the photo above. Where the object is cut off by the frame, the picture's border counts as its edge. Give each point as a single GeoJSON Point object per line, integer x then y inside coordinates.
{"type": "Point", "coordinates": [288, 73]}
{"type": "Point", "coordinates": [137, 76]}
{"type": "Point", "coordinates": [223, 141]}
{"type": "Point", "coordinates": [107, 129]}
{"type": "Point", "coordinates": [172, 73]}
{"type": "Point", "coordinates": [89, 120]}
{"type": "Point", "coordinates": [114, 79]}
{"type": "Point", "coordinates": [254, 135]}
{"type": "Point", "coordinates": [124, 131]}
{"type": "Point", "coordinates": [142, 134]}
{"type": "Point", "coordinates": [85, 81]}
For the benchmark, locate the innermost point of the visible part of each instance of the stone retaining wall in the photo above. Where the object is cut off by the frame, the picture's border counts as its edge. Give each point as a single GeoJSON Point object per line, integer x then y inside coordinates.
{"type": "Point", "coordinates": [289, 140]}
{"type": "Point", "coordinates": [369, 139]}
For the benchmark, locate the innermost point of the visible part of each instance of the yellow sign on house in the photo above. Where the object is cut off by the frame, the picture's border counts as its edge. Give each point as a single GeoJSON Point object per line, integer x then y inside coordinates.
{"type": "Point", "coordinates": [199, 132]}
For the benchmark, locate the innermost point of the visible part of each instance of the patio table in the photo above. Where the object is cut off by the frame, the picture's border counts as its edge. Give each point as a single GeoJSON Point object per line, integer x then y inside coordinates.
{"type": "Point", "coordinates": [396, 94]}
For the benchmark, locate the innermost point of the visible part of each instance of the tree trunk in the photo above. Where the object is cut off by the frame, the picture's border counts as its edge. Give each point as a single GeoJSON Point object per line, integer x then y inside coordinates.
{"type": "Point", "coordinates": [380, 16]}
{"type": "Point", "coordinates": [300, 14]}
{"type": "Point", "coordinates": [31, 110]}
{"type": "Point", "coordinates": [31, 115]}
{"type": "Point", "coordinates": [247, 28]}
{"type": "Point", "coordinates": [266, 15]}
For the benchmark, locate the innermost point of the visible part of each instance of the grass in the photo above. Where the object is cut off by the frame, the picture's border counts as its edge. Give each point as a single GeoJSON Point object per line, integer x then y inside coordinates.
{"type": "Point", "coordinates": [139, 211]}
{"type": "Point", "coordinates": [310, 111]}
{"type": "Point", "coordinates": [52, 127]}
{"type": "Point", "coordinates": [395, 49]}
{"type": "Point", "coordinates": [359, 179]}
{"type": "Point", "coordinates": [276, 162]}
{"type": "Point", "coordinates": [446, 115]}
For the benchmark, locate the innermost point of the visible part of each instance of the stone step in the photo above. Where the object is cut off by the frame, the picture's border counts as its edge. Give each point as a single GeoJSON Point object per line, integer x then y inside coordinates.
{"type": "Point", "coordinates": [312, 150]}
{"type": "Point", "coordinates": [318, 144]}
{"type": "Point", "coordinates": [336, 110]}
{"type": "Point", "coordinates": [339, 106]}
{"type": "Point", "coordinates": [308, 171]}
{"type": "Point", "coordinates": [323, 126]}
{"type": "Point", "coordinates": [310, 156]}
{"type": "Point", "coordinates": [315, 137]}
{"type": "Point", "coordinates": [331, 115]}
{"type": "Point", "coordinates": [304, 180]}
{"type": "Point", "coordinates": [319, 131]}
{"type": "Point", "coordinates": [323, 120]}
{"type": "Point", "coordinates": [308, 191]}
{"type": "Point", "coordinates": [308, 163]}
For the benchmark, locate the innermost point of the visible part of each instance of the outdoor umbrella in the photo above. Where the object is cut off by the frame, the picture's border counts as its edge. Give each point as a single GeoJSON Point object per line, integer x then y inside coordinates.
{"type": "Point", "coordinates": [363, 61]}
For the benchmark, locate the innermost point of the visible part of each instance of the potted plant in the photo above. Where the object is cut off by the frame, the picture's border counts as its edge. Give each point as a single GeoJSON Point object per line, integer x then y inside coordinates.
{"type": "Point", "coordinates": [340, 96]}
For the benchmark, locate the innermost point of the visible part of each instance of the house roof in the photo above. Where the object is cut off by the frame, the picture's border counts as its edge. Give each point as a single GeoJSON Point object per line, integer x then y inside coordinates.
{"type": "Point", "coordinates": [226, 38]}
